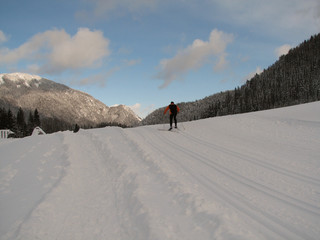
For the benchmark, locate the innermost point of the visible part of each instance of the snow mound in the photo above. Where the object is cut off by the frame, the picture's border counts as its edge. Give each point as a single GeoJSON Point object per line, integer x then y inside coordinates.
{"type": "Point", "coordinates": [247, 176]}
{"type": "Point", "coordinates": [37, 131]}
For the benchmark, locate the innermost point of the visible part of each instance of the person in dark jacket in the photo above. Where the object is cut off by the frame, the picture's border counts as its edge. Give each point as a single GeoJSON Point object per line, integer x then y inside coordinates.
{"type": "Point", "coordinates": [173, 110]}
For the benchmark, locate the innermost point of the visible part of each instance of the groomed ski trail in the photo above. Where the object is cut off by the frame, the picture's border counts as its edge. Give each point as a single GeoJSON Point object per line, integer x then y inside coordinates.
{"type": "Point", "coordinates": [205, 173]}
{"type": "Point", "coordinates": [250, 176]}
{"type": "Point", "coordinates": [117, 191]}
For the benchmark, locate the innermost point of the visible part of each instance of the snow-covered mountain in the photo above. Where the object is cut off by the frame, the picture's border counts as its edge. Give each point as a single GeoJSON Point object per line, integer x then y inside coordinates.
{"type": "Point", "coordinates": [54, 100]}
{"type": "Point", "coordinates": [247, 176]}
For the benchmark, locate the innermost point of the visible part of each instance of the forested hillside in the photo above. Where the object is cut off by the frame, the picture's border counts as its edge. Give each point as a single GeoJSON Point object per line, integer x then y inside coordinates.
{"type": "Point", "coordinates": [293, 79]}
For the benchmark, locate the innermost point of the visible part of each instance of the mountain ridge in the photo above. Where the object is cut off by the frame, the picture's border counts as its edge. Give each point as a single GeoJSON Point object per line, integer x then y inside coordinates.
{"type": "Point", "coordinates": [57, 101]}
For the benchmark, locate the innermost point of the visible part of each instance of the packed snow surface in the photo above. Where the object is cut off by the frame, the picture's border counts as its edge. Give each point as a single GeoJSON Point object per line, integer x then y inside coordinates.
{"type": "Point", "coordinates": [247, 176]}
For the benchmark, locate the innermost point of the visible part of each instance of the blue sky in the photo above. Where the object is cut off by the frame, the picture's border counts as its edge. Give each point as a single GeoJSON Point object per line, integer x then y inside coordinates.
{"type": "Point", "coordinates": [146, 53]}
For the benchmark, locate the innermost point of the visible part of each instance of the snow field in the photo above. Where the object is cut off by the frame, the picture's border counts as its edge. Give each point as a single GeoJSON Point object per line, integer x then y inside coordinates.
{"type": "Point", "coordinates": [247, 176]}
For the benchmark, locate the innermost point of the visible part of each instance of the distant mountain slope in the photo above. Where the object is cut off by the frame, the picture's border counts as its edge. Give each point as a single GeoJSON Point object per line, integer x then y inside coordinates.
{"type": "Point", "coordinates": [57, 101]}
{"type": "Point", "coordinates": [293, 79]}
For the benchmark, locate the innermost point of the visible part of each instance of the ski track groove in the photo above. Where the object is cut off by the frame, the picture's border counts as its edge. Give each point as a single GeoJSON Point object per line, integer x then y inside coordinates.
{"type": "Point", "coordinates": [174, 191]}
{"type": "Point", "coordinates": [249, 183]}
{"type": "Point", "coordinates": [123, 194]}
{"type": "Point", "coordinates": [247, 158]}
{"type": "Point", "coordinates": [223, 194]}
{"type": "Point", "coordinates": [269, 221]}
{"type": "Point", "coordinates": [153, 172]}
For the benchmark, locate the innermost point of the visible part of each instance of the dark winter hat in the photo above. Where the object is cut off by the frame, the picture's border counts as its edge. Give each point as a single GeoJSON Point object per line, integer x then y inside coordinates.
{"type": "Point", "coordinates": [172, 102]}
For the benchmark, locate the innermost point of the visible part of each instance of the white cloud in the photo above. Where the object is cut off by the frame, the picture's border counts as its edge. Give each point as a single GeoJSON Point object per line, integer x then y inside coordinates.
{"type": "Point", "coordinates": [85, 49]}
{"type": "Point", "coordinates": [3, 37]}
{"type": "Point", "coordinates": [221, 63]}
{"type": "Point", "coordinates": [142, 111]}
{"type": "Point", "coordinates": [282, 50]}
{"type": "Point", "coordinates": [195, 56]}
{"type": "Point", "coordinates": [136, 108]}
{"type": "Point", "coordinates": [56, 51]}
{"type": "Point", "coordinates": [252, 74]}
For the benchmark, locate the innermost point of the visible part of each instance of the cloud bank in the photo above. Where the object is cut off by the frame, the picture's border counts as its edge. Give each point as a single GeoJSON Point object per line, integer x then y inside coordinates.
{"type": "Point", "coordinates": [195, 56]}
{"type": "Point", "coordinates": [55, 51]}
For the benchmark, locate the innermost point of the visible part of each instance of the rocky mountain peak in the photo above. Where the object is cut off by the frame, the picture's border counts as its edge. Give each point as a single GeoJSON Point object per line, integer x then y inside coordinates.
{"type": "Point", "coordinates": [20, 78]}
{"type": "Point", "coordinates": [57, 101]}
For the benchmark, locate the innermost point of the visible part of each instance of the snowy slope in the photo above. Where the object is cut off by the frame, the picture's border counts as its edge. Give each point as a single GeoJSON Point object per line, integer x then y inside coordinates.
{"type": "Point", "coordinates": [248, 176]}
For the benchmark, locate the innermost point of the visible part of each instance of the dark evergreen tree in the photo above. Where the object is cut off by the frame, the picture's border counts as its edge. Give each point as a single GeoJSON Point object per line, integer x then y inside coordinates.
{"type": "Point", "coordinates": [11, 124]}
{"type": "Point", "coordinates": [21, 124]}
{"type": "Point", "coordinates": [30, 124]}
{"type": "Point", "coordinates": [3, 119]}
{"type": "Point", "coordinates": [76, 128]}
{"type": "Point", "coordinates": [36, 118]}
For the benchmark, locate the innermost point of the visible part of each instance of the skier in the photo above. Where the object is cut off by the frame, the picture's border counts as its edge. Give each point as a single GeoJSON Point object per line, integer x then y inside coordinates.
{"type": "Point", "coordinates": [174, 109]}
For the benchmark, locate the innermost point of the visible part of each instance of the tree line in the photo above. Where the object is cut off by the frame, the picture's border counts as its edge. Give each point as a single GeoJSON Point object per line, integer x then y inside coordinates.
{"type": "Point", "coordinates": [17, 123]}
{"type": "Point", "coordinates": [23, 125]}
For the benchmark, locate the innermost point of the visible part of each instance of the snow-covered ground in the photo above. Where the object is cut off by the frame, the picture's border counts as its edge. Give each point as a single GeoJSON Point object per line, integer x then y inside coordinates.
{"type": "Point", "coordinates": [248, 176]}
